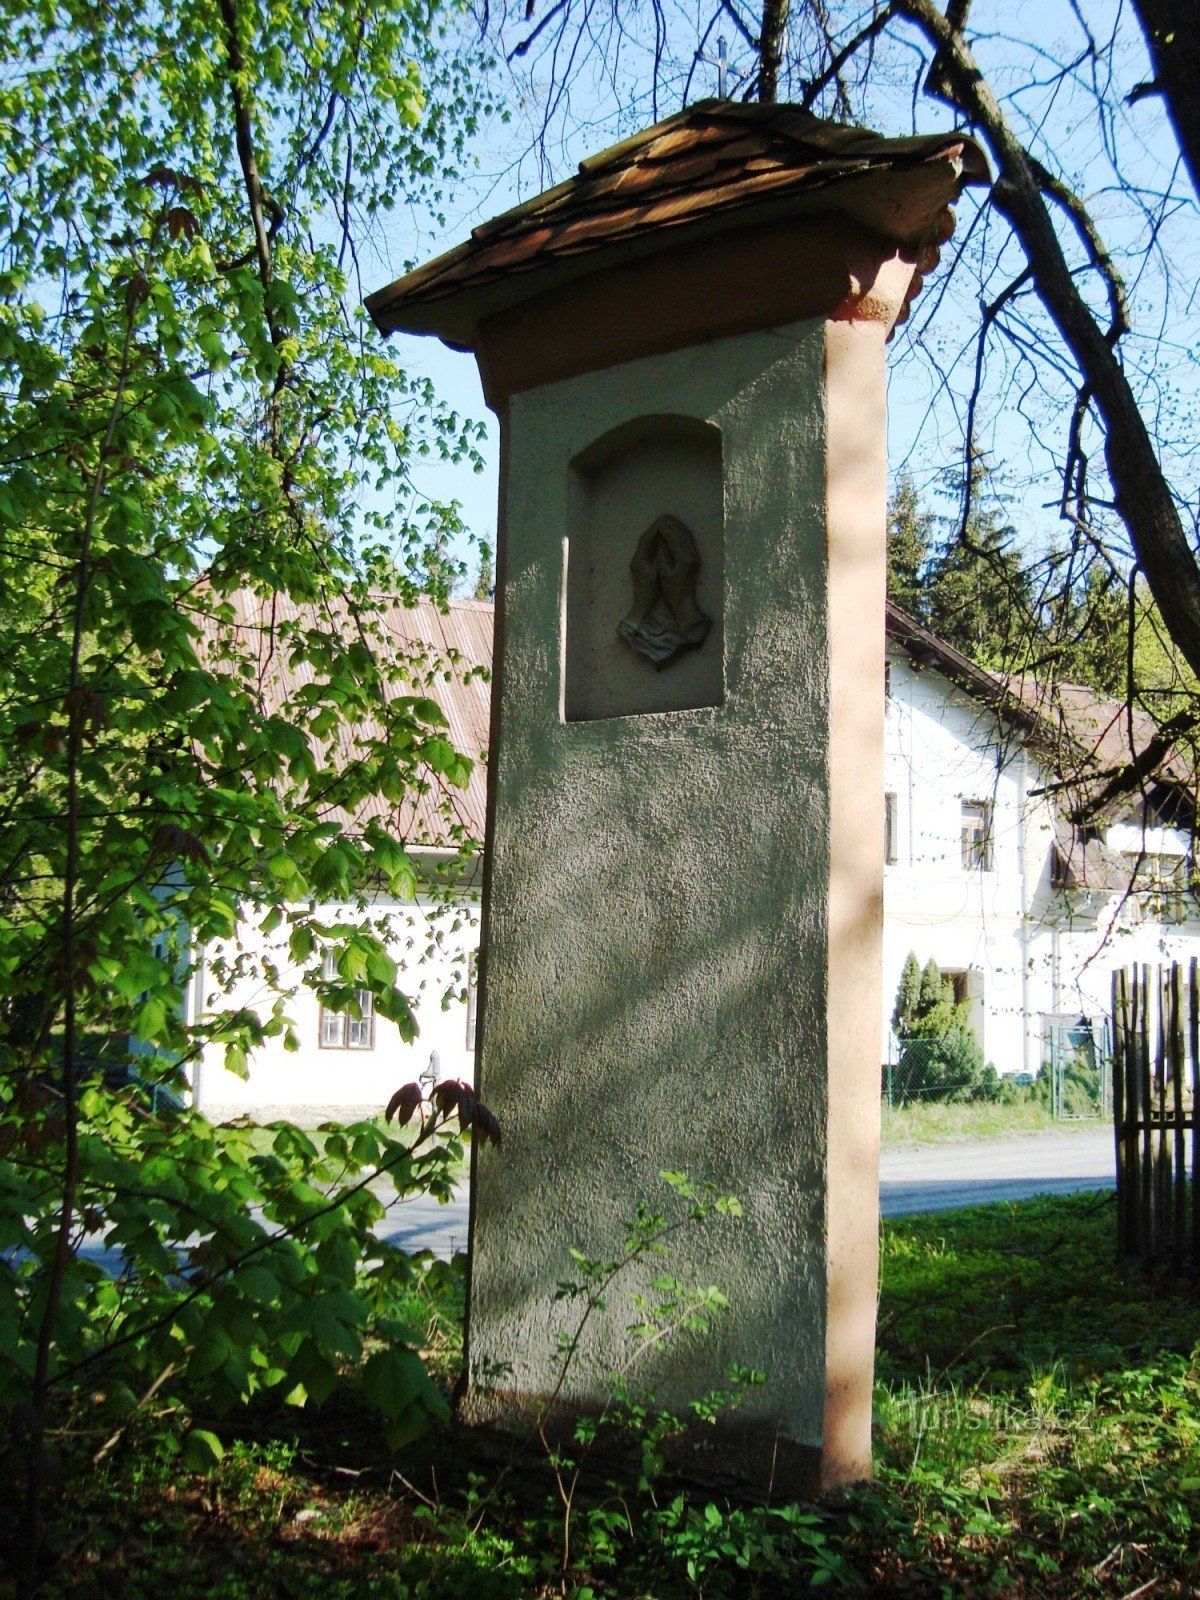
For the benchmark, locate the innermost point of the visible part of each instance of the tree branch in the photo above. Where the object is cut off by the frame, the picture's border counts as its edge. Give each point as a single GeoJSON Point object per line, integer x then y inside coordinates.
{"type": "Point", "coordinates": [739, 23]}
{"type": "Point", "coordinates": [1170, 27]}
{"type": "Point", "coordinates": [1089, 236]}
{"type": "Point", "coordinates": [833, 71]}
{"type": "Point", "coordinates": [1142, 495]}
{"type": "Point", "coordinates": [244, 135]}
{"type": "Point", "coordinates": [1131, 778]}
{"type": "Point", "coordinates": [532, 38]}
{"type": "Point", "coordinates": [770, 48]}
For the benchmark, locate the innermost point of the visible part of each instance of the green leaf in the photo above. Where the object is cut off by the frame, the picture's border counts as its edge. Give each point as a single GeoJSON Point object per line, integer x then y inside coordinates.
{"type": "Point", "coordinates": [202, 1451]}
{"type": "Point", "coordinates": [258, 1284]}
{"type": "Point", "coordinates": [393, 1379]}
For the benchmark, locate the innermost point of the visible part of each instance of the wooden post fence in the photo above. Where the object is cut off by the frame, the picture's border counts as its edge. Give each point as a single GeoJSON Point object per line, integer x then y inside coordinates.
{"type": "Point", "coordinates": [1156, 1107]}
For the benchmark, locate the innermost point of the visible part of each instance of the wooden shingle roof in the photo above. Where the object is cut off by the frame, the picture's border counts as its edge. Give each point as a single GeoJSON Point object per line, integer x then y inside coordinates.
{"type": "Point", "coordinates": [710, 167]}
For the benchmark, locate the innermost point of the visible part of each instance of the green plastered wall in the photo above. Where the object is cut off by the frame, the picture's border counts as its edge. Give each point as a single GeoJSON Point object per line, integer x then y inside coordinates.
{"type": "Point", "coordinates": [658, 920]}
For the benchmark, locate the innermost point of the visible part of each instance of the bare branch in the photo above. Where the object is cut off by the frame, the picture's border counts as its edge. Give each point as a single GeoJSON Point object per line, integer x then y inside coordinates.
{"type": "Point", "coordinates": [740, 23]}
{"type": "Point", "coordinates": [832, 72]}
{"type": "Point", "coordinates": [1143, 496]}
{"type": "Point", "coordinates": [531, 39]}
{"type": "Point", "coordinates": [990, 313]}
{"type": "Point", "coordinates": [1089, 234]}
{"type": "Point", "coordinates": [1143, 91]}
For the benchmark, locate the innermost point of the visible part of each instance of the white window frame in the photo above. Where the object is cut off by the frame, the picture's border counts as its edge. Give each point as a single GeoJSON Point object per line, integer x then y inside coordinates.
{"type": "Point", "coordinates": [978, 852]}
{"type": "Point", "coordinates": [341, 1030]}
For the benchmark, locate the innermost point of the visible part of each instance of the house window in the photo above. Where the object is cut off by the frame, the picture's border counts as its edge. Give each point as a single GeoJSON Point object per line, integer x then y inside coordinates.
{"type": "Point", "coordinates": [341, 1030]}
{"type": "Point", "coordinates": [977, 835]}
{"type": "Point", "coordinates": [1161, 884]}
{"type": "Point", "coordinates": [889, 828]}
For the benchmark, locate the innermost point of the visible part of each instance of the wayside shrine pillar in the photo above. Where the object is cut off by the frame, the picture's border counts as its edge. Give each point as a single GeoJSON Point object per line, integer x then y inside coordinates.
{"type": "Point", "coordinates": [684, 344]}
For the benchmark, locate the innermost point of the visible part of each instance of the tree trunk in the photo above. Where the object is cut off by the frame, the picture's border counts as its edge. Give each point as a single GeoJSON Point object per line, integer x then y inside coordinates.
{"type": "Point", "coordinates": [770, 47]}
{"type": "Point", "coordinates": [1143, 496]}
{"type": "Point", "coordinates": [1172, 29]}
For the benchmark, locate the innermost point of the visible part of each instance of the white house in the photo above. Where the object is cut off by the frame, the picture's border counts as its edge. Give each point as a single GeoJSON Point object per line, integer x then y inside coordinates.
{"type": "Point", "coordinates": [1027, 911]}
{"type": "Point", "coordinates": [337, 1061]}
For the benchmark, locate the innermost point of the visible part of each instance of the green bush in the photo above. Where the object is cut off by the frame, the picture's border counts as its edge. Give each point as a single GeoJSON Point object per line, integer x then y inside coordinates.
{"type": "Point", "coordinates": [940, 1056]}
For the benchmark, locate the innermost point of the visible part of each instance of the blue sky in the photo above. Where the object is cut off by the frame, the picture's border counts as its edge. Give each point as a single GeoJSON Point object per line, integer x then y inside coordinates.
{"type": "Point", "coordinates": [1124, 166]}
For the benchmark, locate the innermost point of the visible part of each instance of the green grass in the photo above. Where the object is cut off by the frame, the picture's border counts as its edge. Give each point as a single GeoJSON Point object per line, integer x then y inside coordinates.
{"type": "Point", "coordinates": [1037, 1435]}
{"type": "Point", "coordinates": [1039, 1403]}
{"type": "Point", "coordinates": [945, 1122]}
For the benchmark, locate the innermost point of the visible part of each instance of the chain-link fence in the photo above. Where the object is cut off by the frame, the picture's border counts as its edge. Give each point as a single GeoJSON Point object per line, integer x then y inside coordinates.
{"type": "Point", "coordinates": [1074, 1082]}
{"type": "Point", "coordinates": [933, 1069]}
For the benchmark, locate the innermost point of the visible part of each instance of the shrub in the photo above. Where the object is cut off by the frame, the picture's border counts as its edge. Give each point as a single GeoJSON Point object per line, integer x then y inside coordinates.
{"type": "Point", "coordinates": [940, 1055]}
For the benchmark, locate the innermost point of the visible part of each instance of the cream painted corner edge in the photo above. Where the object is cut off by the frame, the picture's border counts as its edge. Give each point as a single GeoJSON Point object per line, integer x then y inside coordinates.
{"type": "Point", "coordinates": [856, 516]}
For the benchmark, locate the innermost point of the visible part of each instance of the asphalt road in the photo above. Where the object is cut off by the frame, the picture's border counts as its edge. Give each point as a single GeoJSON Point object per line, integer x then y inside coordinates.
{"type": "Point", "coordinates": [912, 1178]}
{"type": "Point", "coordinates": [948, 1177]}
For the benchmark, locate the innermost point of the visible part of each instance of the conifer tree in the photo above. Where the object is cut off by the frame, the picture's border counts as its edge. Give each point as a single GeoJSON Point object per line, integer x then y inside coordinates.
{"type": "Point", "coordinates": [908, 996]}
{"type": "Point", "coordinates": [484, 587]}
{"type": "Point", "coordinates": [978, 592]}
{"type": "Point", "coordinates": [932, 991]}
{"type": "Point", "coordinates": [909, 535]}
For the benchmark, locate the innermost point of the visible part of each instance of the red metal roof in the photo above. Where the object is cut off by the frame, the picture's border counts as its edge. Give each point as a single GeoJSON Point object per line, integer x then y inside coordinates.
{"type": "Point", "coordinates": [446, 656]}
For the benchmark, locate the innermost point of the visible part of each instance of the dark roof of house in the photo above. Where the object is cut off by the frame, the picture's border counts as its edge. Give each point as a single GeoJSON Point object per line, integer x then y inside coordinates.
{"type": "Point", "coordinates": [926, 649]}
{"type": "Point", "coordinates": [1076, 727]}
{"type": "Point", "coordinates": [1109, 731]}
{"type": "Point", "coordinates": [712, 166]}
{"type": "Point", "coordinates": [1084, 737]}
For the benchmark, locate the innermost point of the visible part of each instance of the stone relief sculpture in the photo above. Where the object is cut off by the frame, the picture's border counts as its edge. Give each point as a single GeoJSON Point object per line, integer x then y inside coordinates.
{"type": "Point", "coordinates": [665, 619]}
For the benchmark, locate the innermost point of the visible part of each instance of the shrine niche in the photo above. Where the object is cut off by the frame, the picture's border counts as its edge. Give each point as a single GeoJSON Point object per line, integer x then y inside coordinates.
{"type": "Point", "coordinates": [665, 620]}
{"type": "Point", "coordinates": [644, 572]}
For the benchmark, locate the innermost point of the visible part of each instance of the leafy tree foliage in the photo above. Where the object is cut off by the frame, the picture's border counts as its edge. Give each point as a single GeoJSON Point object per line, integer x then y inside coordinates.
{"type": "Point", "coordinates": [204, 459]}
{"type": "Point", "coordinates": [1089, 629]}
{"type": "Point", "coordinates": [1064, 622]}
{"type": "Point", "coordinates": [1110, 634]}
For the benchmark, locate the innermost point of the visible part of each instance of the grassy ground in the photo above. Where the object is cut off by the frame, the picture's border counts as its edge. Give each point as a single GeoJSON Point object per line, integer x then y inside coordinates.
{"type": "Point", "coordinates": [936, 1123]}
{"type": "Point", "coordinates": [1037, 1434]}
{"type": "Point", "coordinates": [945, 1122]}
